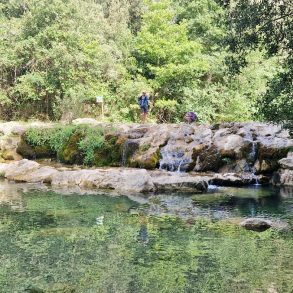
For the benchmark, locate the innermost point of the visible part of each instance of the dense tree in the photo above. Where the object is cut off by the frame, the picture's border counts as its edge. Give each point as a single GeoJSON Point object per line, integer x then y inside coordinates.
{"type": "Point", "coordinates": [56, 56]}
{"type": "Point", "coordinates": [165, 55]}
{"type": "Point", "coordinates": [268, 24]}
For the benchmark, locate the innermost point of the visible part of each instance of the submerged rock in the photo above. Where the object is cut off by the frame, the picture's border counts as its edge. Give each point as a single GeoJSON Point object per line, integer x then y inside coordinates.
{"type": "Point", "coordinates": [256, 224]}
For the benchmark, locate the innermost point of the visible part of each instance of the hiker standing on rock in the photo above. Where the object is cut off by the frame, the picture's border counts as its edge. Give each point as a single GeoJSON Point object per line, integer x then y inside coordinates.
{"type": "Point", "coordinates": [143, 101]}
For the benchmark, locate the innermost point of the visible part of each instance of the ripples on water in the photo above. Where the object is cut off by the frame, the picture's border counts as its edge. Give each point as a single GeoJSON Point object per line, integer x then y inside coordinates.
{"type": "Point", "coordinates": [53, 242]}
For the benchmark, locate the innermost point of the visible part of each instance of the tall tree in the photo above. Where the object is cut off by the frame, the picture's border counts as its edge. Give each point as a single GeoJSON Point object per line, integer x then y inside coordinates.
{"type": "Point", "coordinates": [268, 24]}
{"type": "Point", "coordinates": [165, 55]}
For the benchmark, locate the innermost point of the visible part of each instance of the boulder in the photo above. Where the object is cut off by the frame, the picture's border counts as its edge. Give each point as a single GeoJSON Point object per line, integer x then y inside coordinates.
{"type": "Point", "coordinates": [233, 179]}
{"type": "Point", "coordinates": [207, 158]}
{"type": "Point", "coordinates": [29, 171]}
{"type": "Point", "coordinates": [266, 166]}
{"type": "Point", "coordinates": [283, 177]}
{"type": "Point", "coordinates": [273, 148]}
{"type": "Point", "coordinates": [121, 180]}
{"type": "Point", "coordinates": [229, 145]}
{"type": "Point", "coordinates": [19, 171]}
{"type": "Point", "coordinates": [42, 175]}
{"type": "Point", "coordinates": [256, 224]}
{"type": "Point", "coordinates": [178, 182]}
{"type": "Point", "coordinates": [148, 159]}
{"type": "Point", "coordinates": [287, 163]}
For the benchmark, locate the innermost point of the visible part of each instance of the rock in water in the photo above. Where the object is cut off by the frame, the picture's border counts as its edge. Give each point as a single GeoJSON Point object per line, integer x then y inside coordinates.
{"type": "Point", "coordinates": [256, 224]}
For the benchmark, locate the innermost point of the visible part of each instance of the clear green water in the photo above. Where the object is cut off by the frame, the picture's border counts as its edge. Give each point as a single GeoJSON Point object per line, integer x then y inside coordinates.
{"type": "Point", "coordinates": [51, 242]}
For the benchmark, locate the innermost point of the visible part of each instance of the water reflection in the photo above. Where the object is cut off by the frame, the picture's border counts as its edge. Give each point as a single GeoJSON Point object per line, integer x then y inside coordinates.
{"type": "Point", "coordinates": [52, 243]}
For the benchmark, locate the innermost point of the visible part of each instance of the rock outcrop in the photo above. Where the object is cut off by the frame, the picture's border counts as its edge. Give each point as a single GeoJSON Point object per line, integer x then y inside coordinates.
{"type": "Point", "coordinates": [246, 148]}
{"type": "Point", "coordinates": [123, 180]}
{"type": "Point", "coordinates": [284, 176]}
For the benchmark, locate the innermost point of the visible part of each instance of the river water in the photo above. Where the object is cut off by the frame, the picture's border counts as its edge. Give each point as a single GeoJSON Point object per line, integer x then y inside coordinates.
{"type": "Point", "coordinates": [59, 241]}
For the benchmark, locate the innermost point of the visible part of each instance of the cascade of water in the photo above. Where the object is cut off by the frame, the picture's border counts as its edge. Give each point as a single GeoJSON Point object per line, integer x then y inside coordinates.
{"type": "Point", "coordinates": [252, 159]}
{"type": "Point", "coordinates": [173, 160]}
{"type": "Point", "coordinates": [179, 167]}
{"type": "Point", "coordinates": [253, 152]}
{"type": "Point", "coordinates": [124, 153]}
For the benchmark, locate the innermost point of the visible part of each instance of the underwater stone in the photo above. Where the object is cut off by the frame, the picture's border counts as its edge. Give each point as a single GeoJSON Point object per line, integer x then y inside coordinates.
{"type": "Point", "coordinates": [256, 224]}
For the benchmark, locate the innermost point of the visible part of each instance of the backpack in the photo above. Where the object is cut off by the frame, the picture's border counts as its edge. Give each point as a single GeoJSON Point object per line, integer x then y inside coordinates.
{"type": "Point", "coordinates": [143, 101]}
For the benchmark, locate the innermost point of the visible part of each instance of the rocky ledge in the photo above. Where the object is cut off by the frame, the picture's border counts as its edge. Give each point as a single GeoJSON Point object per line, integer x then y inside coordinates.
{"type": "Point", "coordinates": [122, 180]}
{"type": "Point", "coordinates": [251, 148]}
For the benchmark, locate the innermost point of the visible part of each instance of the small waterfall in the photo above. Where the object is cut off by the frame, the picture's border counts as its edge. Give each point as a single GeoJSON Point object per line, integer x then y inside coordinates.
{"type": "Point", "coordinates": [128, 149]}
{"type": "Point", "coordinates": [124, 153]}
{"type": "Point", "coordinates": [253, 153]}
{"type": "Point", "coordinates": [252, 157]}
{"type": "Point", "coordinates": [173, 160]}
{"type": "Point", "coordinates": [256, 181]}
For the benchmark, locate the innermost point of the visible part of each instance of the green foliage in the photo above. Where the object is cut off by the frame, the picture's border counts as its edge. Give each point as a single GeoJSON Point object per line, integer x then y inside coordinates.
{"type": "Point", "coordinates": [53, 138]}
{"type": "Point", "coordinates": [93, 140]}
{"type": "Point", "coordinates": [69, 141]}
{"type": "Point", "coordinates": [57, 56]}
{"type": "Point", "coordinates": [165, 110]}
{"type": "Point", "coordinates": [164, 53]}
{"type": "Point", "coordinates": [268, 25]}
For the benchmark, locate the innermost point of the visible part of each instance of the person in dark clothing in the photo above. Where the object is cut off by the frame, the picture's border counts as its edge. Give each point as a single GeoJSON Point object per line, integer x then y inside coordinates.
{"type": "Point", "coordinates": [190, 117]}
{"type": "Point", "coordinates": [143, 101]}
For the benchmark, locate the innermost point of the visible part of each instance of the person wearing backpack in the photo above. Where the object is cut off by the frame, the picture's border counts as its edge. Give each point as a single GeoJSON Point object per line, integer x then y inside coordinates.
{"type": "Point", "coordinates": [143, 102]}
{"type": "Point", "coordinates": [190, 117]}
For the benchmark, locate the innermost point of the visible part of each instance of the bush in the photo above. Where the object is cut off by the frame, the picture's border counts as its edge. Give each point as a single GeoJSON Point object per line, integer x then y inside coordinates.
{"type": "Point", "coordinates": [68, 142]}
{"type": "Point", "coordinates": [92, 140]}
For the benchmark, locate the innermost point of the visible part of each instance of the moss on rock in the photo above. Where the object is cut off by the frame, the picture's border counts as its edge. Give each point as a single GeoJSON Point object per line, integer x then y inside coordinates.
{"type": "Point", "coordinates": [34, 152]}
{"type": "Point", "coordinates": [70, 153]}
{"type": "Point", "coordinates": [149, 160]}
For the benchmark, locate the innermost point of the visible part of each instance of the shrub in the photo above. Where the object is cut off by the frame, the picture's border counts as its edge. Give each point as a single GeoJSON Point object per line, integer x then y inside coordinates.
{"type": "Point", "coordinates": [92, 140]}
{"type": "Point", "coordinates": [68, 140]}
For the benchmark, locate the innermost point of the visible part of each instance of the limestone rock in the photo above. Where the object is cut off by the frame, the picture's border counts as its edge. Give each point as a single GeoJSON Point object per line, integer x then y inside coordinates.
{"type": "Point", "coordinates": [286, 163]}
{"type": "Point", "coordinates": [146, 159]}
{"type": "Point", "coordinates": [207, 158]}
{"type": "Point", "coordinates": [283, 177]}
{"type": "Point", "coordinates": [256, 224]}
{"type": "Point", "coordinates": [229, 145]}
{"type": "Point", "coordinates": [178, 182]}
{"type": "Point", "coordinates": [19, 171]}
{"type": "Point", "coordinates": [3, 167]}
{"type": "Point", "coordinates": [124, 180]}
{"type": "Point", "coordinates": [43, 175]}
{"type": "Point", "coordinates": [233, 179]}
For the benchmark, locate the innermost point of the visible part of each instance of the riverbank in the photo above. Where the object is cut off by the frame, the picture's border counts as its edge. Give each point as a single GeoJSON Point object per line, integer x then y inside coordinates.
{"type": "Point", "coordinates": [247, 153]}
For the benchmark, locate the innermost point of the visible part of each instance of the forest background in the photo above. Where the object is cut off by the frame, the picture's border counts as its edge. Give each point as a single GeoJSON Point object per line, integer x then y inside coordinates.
{"type": "Point", "coordinates": [225, 60]}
